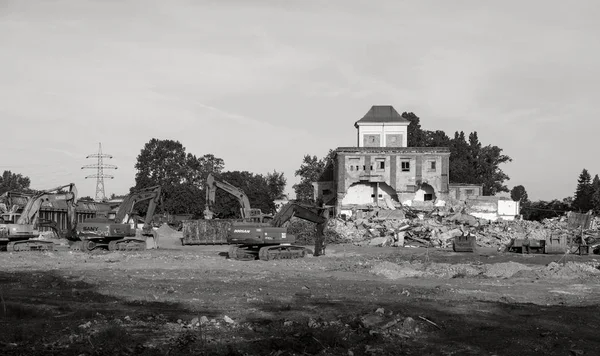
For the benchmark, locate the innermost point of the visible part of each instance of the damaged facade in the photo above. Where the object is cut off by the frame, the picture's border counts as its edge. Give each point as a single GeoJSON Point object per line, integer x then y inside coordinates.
{"type": "Point", "coordinates": [381, 170]}
{"type": "Point", "coordinates": [462, 191]}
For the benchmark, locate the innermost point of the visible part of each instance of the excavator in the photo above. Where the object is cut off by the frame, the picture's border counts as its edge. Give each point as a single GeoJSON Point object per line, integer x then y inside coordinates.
{"type": "Point", "coordinates": [263, 236]}
{"type": "Point", "coordinates": [246, 211]}
{"type": "Point", "coordinates": [19, 231]}
{"type": "Point", "coordinates": [270, 241]}
{"type": "Point", "coordinates": [117, 234]}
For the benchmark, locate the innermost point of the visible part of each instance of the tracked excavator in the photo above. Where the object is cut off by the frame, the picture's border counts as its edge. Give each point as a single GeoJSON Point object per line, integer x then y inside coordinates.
{"type": "Point", "coordinates": [263, 236]}
{"type": "Point", "coordinates": [270, 241]}
{"type": "Point", "coordinates": [117, 234]}
{"type": "Point", "coordinates": [19, 231]}
{"type": "Point", "coordinates": [246, 211]}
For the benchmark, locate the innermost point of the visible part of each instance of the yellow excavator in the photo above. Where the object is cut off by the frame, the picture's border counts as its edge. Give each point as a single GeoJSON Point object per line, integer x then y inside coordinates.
{"type": "Point", "coordinates": [117, 234]}
{"type": "Point", "coordinates": [19, 231]}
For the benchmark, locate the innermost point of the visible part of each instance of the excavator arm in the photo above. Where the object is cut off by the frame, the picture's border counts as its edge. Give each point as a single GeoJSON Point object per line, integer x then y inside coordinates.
{"type": "Point", "coordinates": [124, 214]}
{"type": "Point", "coordinates": [305, 212]}
{"type": "Point", "coordinates": [154, 201]}
{"type": "Point", "coordinates": [30, 213]}
{"type": "Point", "coordinates": [246, 211]}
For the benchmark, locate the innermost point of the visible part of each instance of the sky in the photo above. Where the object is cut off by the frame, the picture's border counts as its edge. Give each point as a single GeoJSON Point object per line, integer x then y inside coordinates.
{"type": "Point", "coordinates": [261, 83]}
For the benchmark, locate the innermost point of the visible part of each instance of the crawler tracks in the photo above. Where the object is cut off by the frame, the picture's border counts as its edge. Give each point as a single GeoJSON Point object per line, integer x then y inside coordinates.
{"type": "Point", "coordinates": [266, 253]}
{"type": "Point", "coordinates": [30, 245]}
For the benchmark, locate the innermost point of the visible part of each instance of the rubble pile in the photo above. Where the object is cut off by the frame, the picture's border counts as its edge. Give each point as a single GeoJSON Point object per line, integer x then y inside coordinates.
{"type": "Point", "coordinates": [438, 229]}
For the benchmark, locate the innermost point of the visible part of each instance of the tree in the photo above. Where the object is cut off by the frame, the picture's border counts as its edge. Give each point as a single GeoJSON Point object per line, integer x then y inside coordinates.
{"type": "Point", "coordinates": [181, 175]}
{"type": "Point", "coordinates": [15, 182]}
{"type": "Point", "coordinates": [518, 193]}
{"type": "Point", "coordinates": [311, 169]}
{"type": "Point", "coordinates": [540, 210]}
{"type": "Point", "coordinates": [596, 194]}
{"type": "Point", "coordinates": [276, 183]}
{"type": "Point", "coordinates": [583, 193]}
{"type": "Point", "coordinates": [160, 162]}
{"type": "Point", "coordinates": [416, 136]}
{"type": "Point", "coordinates": [200, 168]}
{"type": "Point", "coordinates": [185, 198]}
{"type": "Point", "coordinates": [470, 161]}
{"type": "Point", "coordinates": [488, 170]}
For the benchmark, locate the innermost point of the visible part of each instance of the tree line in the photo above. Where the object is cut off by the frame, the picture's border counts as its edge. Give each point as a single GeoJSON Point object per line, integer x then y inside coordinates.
{"type": "Point", "coordinates": [586, 199]}
{"type": "Point", "coordinates": [182, 176]}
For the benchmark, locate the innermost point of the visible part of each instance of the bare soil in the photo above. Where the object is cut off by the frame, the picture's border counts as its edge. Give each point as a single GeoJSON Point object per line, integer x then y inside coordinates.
{"type": "Point", "coordinates": [192, 300]}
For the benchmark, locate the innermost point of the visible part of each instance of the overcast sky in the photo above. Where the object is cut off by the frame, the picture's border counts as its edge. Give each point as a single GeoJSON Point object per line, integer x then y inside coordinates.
{"type": "Point", "coordinates": [261, 83]}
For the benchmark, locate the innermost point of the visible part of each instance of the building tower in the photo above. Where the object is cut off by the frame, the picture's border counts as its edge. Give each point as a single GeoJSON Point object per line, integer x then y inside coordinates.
{"type": "Point", "coordinates": [100, 167]}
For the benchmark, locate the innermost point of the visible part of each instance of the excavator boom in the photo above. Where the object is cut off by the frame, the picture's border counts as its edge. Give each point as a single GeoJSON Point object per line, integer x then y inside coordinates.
{"type": "Point", "coordinates": [305, 212]}
{"type": "Point", "coordinates": [125, 209]}
{"type": "Point", "coordinates": [246, 211]}
{"type": "Point", "coordinates": [32, 208]}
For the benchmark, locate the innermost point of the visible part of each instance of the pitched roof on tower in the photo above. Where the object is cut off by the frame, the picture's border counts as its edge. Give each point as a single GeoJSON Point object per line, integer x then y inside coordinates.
{"type": "Point", "coordinates": [382, 114]}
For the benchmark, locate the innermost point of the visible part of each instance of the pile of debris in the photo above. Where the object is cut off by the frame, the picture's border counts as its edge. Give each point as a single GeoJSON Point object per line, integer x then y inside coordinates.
{"type": "Point", "coordinates": [438, 229]}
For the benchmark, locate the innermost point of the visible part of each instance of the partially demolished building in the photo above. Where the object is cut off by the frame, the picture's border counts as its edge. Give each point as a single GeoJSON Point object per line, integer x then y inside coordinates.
{"type": "Point", "coordinates": [381, 169]}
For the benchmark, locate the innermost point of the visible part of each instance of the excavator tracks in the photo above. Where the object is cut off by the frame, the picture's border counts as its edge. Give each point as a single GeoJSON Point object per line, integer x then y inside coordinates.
{"type": "Point", "coordinates": [242, 254]}
{"type": "Point", "coordinates": [127, 245]}
{"type": "Point", "coordinates": [281, 252]}
{"type": "Point", "coordinates": [266, 253]}
{"type": "Point", "coordinates": [30, 245]}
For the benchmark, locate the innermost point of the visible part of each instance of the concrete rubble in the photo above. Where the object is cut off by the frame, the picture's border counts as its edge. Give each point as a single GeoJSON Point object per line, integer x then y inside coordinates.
{"type": "Point", "coordinates": [437, 228]}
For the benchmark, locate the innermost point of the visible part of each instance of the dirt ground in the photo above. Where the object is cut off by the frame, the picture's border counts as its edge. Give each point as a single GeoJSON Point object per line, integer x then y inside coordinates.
{"type": "Point", "coordinates": [192, 300]}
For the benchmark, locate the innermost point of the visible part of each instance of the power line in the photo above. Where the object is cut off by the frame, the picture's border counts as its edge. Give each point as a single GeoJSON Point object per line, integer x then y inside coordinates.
{"type": "Point", "coordinates": [100, 167]}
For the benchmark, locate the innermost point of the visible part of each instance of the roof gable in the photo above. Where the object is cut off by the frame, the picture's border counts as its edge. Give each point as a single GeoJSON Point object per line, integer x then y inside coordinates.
{"type": "Point", "coordinates": [382, 114]}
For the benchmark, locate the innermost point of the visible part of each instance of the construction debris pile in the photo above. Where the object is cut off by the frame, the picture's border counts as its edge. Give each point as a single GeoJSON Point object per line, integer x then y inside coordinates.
{"type": "Point", "coordinates": [438, 229]}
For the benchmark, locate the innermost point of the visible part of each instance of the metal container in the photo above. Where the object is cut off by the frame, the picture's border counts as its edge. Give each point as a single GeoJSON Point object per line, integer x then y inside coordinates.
{"type": "Point", "coordinates": [206, 232]}
{"type": "Point", "coordinates": [556, 244]}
